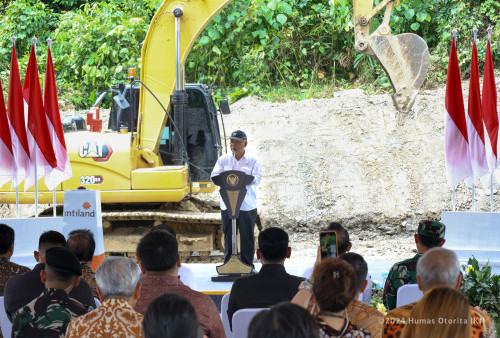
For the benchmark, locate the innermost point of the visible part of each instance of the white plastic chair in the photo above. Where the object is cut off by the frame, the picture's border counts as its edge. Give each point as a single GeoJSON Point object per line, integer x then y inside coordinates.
{"type": "Point", "coordinates": [223, 311]}
{"type": "Point", "coordinates": [408, 293]}
{"type": "Point", "coordinates": [242, 319]}
{"type": "Point", "coordinates": [4, 320]}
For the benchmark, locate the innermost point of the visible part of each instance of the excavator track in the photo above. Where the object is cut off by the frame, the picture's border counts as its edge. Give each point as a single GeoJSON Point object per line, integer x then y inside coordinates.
{"type": "Point", "coordinates": [199, 234]}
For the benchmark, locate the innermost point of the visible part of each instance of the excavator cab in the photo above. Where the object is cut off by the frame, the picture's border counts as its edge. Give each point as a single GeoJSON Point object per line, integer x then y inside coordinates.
{"type": "Point", "coordinates": [202, 138]}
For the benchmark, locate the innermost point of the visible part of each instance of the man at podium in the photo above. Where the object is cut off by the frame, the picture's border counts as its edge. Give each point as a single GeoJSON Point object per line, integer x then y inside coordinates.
{"type": "Point", "coordinates": [242, 161]}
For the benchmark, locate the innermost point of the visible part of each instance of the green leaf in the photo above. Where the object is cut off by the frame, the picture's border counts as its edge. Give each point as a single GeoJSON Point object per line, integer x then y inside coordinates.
{"type": "Point", "coordinates": [204, 40]}
{"type": "Point", "coordinates": [415, 26]}
{"type": "Point", "coordinates": [409, 13]}
{"type": "Point", "coordinates": [281, 18]}
{"type": "Point", "coordinates": [216, 50]}
{"type": "Point", "coordinates": [421, 16]}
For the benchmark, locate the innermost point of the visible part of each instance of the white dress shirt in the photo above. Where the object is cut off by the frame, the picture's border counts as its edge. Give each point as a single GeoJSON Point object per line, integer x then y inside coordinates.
{"type": "Point", "coordinates": [250, 166]}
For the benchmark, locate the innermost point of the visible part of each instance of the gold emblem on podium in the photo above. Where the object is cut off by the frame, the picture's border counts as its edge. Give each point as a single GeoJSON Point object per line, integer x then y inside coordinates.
{"type": "Point", "coordinates": [232, 180]}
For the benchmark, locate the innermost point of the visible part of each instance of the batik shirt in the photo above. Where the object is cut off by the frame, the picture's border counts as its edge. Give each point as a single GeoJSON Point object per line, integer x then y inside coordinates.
{"type": "Point", "coordinates": [114, 318]}
{"type": "Point", "coordinates": [351, 331]}
{"type": "Point", "coordinates": [89, 276]}
{"type": "Point", "coordinates": [482, 325]}
{"type": "Point", "coordinates": [46, 316]}
{"type": "Point", "coordinates": [404, 272]}
{"type": "Point", "coordinates": [9, 269]}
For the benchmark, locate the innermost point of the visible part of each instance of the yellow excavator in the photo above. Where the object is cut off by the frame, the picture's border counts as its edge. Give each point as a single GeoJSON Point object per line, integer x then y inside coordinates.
{"type": "Point", "coordinates": [163, 137]}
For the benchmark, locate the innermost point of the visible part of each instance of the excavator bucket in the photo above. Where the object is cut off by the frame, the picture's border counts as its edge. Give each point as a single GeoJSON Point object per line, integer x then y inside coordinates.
{"type": "Point", "coordinates": [405, 59]}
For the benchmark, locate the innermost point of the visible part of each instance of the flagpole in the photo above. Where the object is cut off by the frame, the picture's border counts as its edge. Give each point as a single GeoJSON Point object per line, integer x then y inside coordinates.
{"type": "Point", "coordinates": [49, 44]}
{"type": "Point", "coordinates": [35, 40]}
{"type": "Point", "coordinates": [492, 171]}
{"type": "Point", "coordinates": [454, 32]}
{"type": "Point", "coordinates": [473, 192]}
{"type": "Point", "coordinates": [13, 38]}
{"type": "Point", "coordinates": [454, 204]}
{"type": "Point", "coordinates": [473, 207]}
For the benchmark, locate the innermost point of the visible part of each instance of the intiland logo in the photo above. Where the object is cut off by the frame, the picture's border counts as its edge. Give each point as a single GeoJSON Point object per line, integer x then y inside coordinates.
{"type": "Point", "coordinates": [81, 213]}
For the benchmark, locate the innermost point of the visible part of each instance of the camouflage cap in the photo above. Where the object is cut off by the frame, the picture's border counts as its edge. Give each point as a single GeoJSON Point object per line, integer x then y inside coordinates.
{"type": "Point", "coordinates": [431, 229]}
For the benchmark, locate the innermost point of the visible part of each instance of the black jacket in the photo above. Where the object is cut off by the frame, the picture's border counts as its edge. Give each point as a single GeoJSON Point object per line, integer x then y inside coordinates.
{"type": "Point", "coordinates": [268, 287]}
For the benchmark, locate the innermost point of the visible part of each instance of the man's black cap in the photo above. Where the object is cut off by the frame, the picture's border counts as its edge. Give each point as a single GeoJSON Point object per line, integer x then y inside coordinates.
{"type": "Point", "coordinates": [238, 135]}
{"type": "Point", "coordinates": [63, 260]}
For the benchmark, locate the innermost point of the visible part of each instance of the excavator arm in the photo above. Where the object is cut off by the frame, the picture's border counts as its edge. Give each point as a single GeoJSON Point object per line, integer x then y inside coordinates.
{"type": "Point", "coordinates": [405, 58]}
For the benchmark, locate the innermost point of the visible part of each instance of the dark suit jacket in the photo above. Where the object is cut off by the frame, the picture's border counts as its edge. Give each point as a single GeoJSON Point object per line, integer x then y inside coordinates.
{"type": "Point", "coordinates": [268, 287]}
{"type": "Point", "coordinates": [22, 289]}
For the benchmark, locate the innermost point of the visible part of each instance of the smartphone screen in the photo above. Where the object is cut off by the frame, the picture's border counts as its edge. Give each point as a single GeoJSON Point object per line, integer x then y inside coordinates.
{"type": "Point", "coordinates": [328, 242]}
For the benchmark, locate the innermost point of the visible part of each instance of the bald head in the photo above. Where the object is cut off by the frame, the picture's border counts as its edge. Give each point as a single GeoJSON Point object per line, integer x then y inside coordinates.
{"type": "Point", "coordinates": [438, 267]}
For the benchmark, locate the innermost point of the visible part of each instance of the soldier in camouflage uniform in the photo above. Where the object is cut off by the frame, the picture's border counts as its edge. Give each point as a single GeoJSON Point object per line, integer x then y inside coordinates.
{"type": "Point", "coordinates": [430, 234]}
{"type": "Point", "coordinates": [50, 313]}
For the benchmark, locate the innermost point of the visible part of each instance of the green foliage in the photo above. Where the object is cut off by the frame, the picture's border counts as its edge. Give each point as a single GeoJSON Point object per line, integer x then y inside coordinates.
{"type": "Point", "coordinates": [279, 49]}
{"type": "Point", "coordinates": [24, 19]}
{"type": "Point", "coordinates": [262, 44]}
{"type": "Point", "coordinates": [482, 288]}
{"type": "Point", "coordinates": [94, 46]}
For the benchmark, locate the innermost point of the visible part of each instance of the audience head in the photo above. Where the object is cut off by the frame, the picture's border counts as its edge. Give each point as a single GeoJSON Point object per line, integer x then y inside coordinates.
{"type": "Point", "coordinates": [6, 240]}
{"type": "Point", "coordinates": [430, 234]}
{"type": "Point", "coordinates": [82, 243]}
{"type": "Point", "coordinates": [360, 268]}
{"type": "Point", "coordinates": [170, 316]}
{"type": "Point", "coordinates": [273, 245]}
{"type": "Point", "coordinates": [343, 241]}
{"type": "Point", "coordinates": [158, 251]}
{"type": "Point", "coordinates": [438, 267]}
{"type": "Point", "coordinates": [48, 239]}
{"type": "Point", "coordinates": [61, 268]}
{"type": "Point", "coordinates": [334, 284]}
{"type": "Point", "coordinates": [283, 320]}
{"type": "Point", "coordinates": [118, 277]}
{"type": "Point", "coordinates": [165, 227]}
{"type": "Point", "coordinates": [446, 309]}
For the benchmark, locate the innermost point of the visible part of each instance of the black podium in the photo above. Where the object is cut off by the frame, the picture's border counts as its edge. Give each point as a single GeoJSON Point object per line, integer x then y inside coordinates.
{"type": "Point", "coordinates": [232, 190]}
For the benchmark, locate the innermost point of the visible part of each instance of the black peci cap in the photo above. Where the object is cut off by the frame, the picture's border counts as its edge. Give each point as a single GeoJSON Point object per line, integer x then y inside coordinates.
{"type": "Point", "coordinates": [238, 135]}
{"type": "Point", "coordinates": [63, 260]}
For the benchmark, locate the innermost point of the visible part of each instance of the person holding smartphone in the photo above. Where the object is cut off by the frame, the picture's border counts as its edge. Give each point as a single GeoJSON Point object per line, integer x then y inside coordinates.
{"type": "Point", "coordinates": [242, 161]}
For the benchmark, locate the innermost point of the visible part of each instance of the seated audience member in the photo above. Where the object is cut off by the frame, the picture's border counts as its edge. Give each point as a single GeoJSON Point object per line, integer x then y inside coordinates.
{"type": "Point", "coordinates": [22, 289]}
{"type": "Point", "coordinates": [49, 314]}
{"type": "Point", "coordinates": [442, 312]}
{"type": "Point", "coordinates": [159, 259]}
{"type": "Point", "coordinates": [438, 267]}
{"type": "Point", "coordinates": [345, 245]}
{"type": "Point", "coordinates": [361, 314]}
{"type": "Point", "coordinates": [8, 268]}
{"type": "Point", "coordinates": [283, 320]}
{"type": "Point", "coordinates": [82, 243]}
{"type": "Point", "coordinates": [430, 234]}
{"type": "Point", "coordinates": [171, 316]}
{"type": "Point", "coordinates": [118, 287]}
{"type": "Point", "coordinates": [185, 274]}
{"type": "Point", "coordinates": [334, 288]}
{"type": "Point", "coordinates": [272, 284]}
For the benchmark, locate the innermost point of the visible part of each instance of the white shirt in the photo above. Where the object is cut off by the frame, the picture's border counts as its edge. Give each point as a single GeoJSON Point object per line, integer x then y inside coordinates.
{"type": "Point", "coordinates": [250, 166]}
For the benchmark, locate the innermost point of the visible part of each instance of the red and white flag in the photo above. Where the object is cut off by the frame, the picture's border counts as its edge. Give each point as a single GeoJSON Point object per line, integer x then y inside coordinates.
{"type": "Point", "coordinates": [8, 163]}
{"type": "Point", "coordinates": [63, 170]}
{"type": "Point", "coordinates": [490, 115]}
{"type": "Point", "coordinates": [456, 146]}
{"type": "Point", "coordinates": [39, 141]}
{"type": "Point", "coordinates": [474, 119]}
{"type": "Point", "coordinates": [15, 110]}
